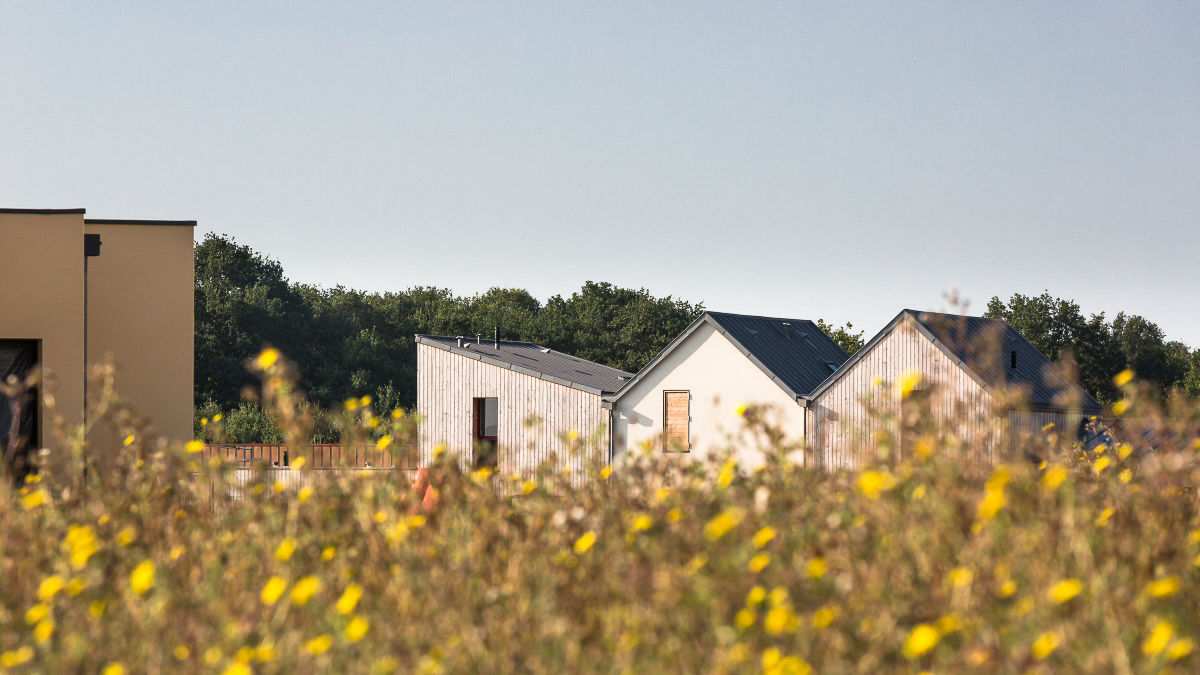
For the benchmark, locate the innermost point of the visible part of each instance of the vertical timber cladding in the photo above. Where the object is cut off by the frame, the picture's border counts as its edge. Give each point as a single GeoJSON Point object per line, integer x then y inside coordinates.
{"type": "Point", "coordinates": [533, 414]}
{"type": "Point", "coordinates": [676, 421]}
{"type": "Point", "coordinates": [843, 428]}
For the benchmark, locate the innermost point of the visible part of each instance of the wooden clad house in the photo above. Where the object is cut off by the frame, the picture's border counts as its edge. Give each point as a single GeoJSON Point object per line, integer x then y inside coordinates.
{"type": "Point", "coordinates": [511, 405]}
{"type": "Point", "coordinates": [687, 399]}
{"type": "Point", "coordinates": [964, 370]}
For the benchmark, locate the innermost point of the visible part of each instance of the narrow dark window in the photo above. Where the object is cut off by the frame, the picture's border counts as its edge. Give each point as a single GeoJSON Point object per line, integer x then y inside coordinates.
{"type": "Point", "coordinates": [1013, 359]}
{"type": "Point", "coordinates": [19, 414]}
{"type": "Point", "coordinates": [486, 432]}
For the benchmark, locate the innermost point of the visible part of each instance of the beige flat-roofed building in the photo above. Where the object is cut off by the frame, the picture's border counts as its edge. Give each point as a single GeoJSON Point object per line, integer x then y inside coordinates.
{"type": "Point", "coordinates": [82, 291]}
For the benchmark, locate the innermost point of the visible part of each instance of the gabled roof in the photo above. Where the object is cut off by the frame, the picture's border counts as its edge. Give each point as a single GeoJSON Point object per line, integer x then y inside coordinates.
{"type": "Point", "coordinates": [983, 348]}
{"type": "Point", "coordinates": [793, 353]}
{"type": "Point", "coordinates": [537, 361]}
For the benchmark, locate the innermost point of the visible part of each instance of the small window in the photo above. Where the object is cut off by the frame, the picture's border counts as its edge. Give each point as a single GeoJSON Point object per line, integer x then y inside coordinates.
{"type": "Point", "coordinates": [677, 421]}
{"type": "Point", "coordinates": [485, 432]}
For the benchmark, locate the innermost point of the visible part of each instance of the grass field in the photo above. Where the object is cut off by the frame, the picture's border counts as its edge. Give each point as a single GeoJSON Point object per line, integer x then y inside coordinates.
{"type": "Point", "coordinates": [1088, 563]}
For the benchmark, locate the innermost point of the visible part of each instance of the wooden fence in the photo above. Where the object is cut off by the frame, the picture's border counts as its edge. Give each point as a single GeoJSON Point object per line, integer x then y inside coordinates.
{"type": "Point", "coordinates": [318, 456]}
{"type": "Point", "coordinates": [238, 485]}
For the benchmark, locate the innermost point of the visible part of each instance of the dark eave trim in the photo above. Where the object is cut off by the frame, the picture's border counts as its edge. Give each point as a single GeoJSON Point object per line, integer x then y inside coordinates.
{"type": "Point", "coordinates": [115, 221]}
{"type": "Point", "coordinates": [492, 361]}
{"type": "Point", "coordinates": [43, 212]}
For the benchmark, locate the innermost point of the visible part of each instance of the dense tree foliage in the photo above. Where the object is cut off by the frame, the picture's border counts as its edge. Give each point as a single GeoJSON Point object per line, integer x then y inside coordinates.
{"type": "Point", "coordinates": [349, 343]}
{"type": "Point", "coordinates": [844, 336]}
{"type": "Point", "coordinates": [1098, 348]}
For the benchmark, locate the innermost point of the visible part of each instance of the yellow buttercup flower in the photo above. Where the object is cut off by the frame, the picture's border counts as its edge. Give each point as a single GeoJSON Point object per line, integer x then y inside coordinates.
{"type": "Point", "coordinates": [815, 568]}
{"type": "Point", "coordinates": [43, 631]}
{"type": "Point", "coordinates": [779, 620]}
{"type": "Point", "coordinates": [1159, 637]}
{"type": "Point", "coordinates": [1044, 644]}
{"type": "Point", "coordinates": [1064, 590]}
{"type": "Point", "coordinates": [908, 383]}
{"type": "Point", "coordinates": [267, 358]}
{"type": "Point", "coordinates": [49, 587]}
{"type": "Point", "coordinates": [721, 524]}
{"type": "Point", "coordinates": [921, 639]}
{"type": "Point", "coordinates": [142, 577]}
{"type": "Point", "coordinates": [758, 562]}
{"type": "Point", "coordinates": [113, 669]}
{"type": "Point", "coordinates": [727, 473]}
{"type": "Point", "coordinates": [33, 499]}
{"type": "Point", "coordinates": [195, 446]}
{"type": "Point", "coordinates": [349, 599]}
{"type": "Point", "coordinates": [1123, 378]}
{"type": "Point", "coordinates": [763, 536]}
{"type": "Point", "coordinates": [641, 523]}
{"type": "Point", "coordinates": [19, 656]}
{"type": "Point", "coordinates": [356, 629]}
{"type": "Point", "coordinates": [1054, 477]}
{"type": "Point", "coordinates": [271, 591]}
{"type": "Point", "coordinates": [1180, 648]}
{"type": "Point", "coordinates": [319, 644]}
{"type": "Point", "coordinates": [1162, 588]}
{"type": "Point", "coordinates": [383, 442]}
{"type": "Point", "coordinates": [285, 549]}
{"type": "Point", "coordinates": [872, 483]}
{"type": "Point", "coordinates": [961, 576]}
{"type": "Point", "coordinates": [304, 589]}
{"type": "Point", "coordinates": [585, 542]}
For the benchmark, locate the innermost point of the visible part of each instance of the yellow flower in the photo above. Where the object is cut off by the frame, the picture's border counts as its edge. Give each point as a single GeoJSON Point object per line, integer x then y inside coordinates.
{"type": "Point", "coordinates": [76, 586]}
{"type": "Point", "coordinates": [237, 668]}
{"type": "Point", "coordinates": [305, 493]}
{"type": "Point", "coordinates": [481, 475]}
{"type": "Point", "coordinates": [925, 447]}
{"type": "Point", "coordinates": [19, 656]}
{"type": "Point", "coordinates": [823, 617]}
{"type": "Point", "coordinates": [319, 644]}
{"type": "Point", "coordinates": [181, 652]}
{"type": "Point", "coordinates": [142, 577]}
{"type": "Point", "coordinates": [727, 473]}
{"type": "Point", "coordinates": [1125, 476]}
{"type": "Point", "coordinates": [1007, 588]}
{"type": "Point", "coordinates": [383, 442]}
{"type": "Point", "coordinates": [606, 472]}
{"type": "Point", "coordinates": [1054, 477]}
{"type": "Point", "coordinates": [585, 542]}
{"type": "Point", "coordinates": [1158, 638]}
{"type": "Point", "coordinates": [720, 525]}
{"type": "Point", "coordinates": [815, 568]}
{"type": "Point", "coordinates": [1180, 648]}
{"type": "Point", "coordinates": [529, 486]}
{"type": "Point", "coordinates": [304, 589]}
{"type": "Point", "coordinates": [755, 596]}
{"type": "Point", "coordinates": [271, 591]}
{"type": "Point", "coordinates": [285, 549]}
{"type": "Point", "coordinates": [1043, 645]}
{"type": "Point", "coordinates": [264, 653]}
{"type": "Point", "coordinates": [1120, 407]}
{"type": "Point", "coordinates": [128, 440]}
{"type": "Point", "coordinates": [36, 613]}
{"type": "Point", "coordinates": [641, 523]}
{"type": "Point", "coordinates": [351, 404]}
{"type": "Point", "coordinates": [43, 630]}
{"type": "Point", "coordinates": [1123, 378]}
{"type": "Point", "coordinates": [764, 536]}
{"type": "Point", "coordinates": [113, 669]}
{"type": "Point", "coordinates": [744, 618]}
{"type": "Point", "coordinates": [1101, 464]}
{"type": "Point", "coordinates": [1102, 519]}
{"type": "Point", "coordinates": [349, 599]}
{"type": "Point", "coordinates": [299, 463]}
{"type": "Point", "coordinates": [267, 358]}
{"type": "Point", "coordinates": [919, 492]}
{"type": "Point", "coordinates": [50, 587]}
{"type": "Point", "coordinates": [1065, 590]}
{"type": "Point", "coordinates": [1163, 587]}
{"type": "Point", "coordinates": [328, 553]}
{"type": "Point", "coordinates": [33, 499]}
{"type": "Point", "coordinates": [908, 382]}
{"type": "Point", "coordinates": [356, 629]}
{"type": "Point", "coordinates": [740, 410]}
{"type": "Point", "coordinates": [922, 638]}
{"type": "Point", "coordinates": [1124, 450]}
{"type": "Point", "coordinates": [777, 596]}
{"type": "Point", "coordinates": [992, 502]}
{"type": "Point", "coordinates": [758, 562]}
{"type": "Point", "coordinates": [96, 608]}
{"type": "Point", "coordinates": [127, 535]}
{"type": "Point", "coordinates": [675, 514]}
{"type": "Point", "coordinates": [872, 483]}
{"type": "Point", "coordinates": [780, 620]}
{"type": "Point", "coordinates": [195, 446]}
{"type": "Point", "coordinates": [961, 576]}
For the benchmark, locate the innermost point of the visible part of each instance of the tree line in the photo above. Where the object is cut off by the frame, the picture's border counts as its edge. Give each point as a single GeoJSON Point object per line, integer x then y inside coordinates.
{"type": "Point", "coordinates": [349, 343]}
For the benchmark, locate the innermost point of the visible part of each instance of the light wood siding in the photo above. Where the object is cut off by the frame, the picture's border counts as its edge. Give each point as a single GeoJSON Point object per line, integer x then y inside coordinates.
{"type": "Point", "coordinates": [841, 428]}
{"type": "Point", "coordinates": [677, 418]}
{"type": "Point", "coordinates": [532, 413]}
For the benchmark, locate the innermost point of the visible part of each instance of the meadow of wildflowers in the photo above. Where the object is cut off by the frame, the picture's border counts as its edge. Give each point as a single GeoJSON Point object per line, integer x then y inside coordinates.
{"type": "Point", "coordinates": [1088, 562]}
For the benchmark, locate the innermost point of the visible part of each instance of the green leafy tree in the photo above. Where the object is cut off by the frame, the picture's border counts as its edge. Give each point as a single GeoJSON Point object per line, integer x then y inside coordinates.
{"type": "Point", "coordinates": [845, 337]}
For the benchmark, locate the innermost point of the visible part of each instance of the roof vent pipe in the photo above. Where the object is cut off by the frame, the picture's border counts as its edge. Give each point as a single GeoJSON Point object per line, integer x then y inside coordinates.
{"type": "Point", "coordinates": [496, 337]}
{"type": "Point", "coordinates": [460, 341]}
{"type": "Point", "coordinates": [479, 338]}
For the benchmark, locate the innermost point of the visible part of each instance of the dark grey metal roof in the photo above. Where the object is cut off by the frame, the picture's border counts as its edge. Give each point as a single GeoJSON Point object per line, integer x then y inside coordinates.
{"type": "Point", "coordinates": [794, 353]}
{"type": "Point", "coordinates": [983, 348]}
{"type": "Point", "coordinates": [794, 350]}
{"type": "Point", "coordinates": [537, 361]}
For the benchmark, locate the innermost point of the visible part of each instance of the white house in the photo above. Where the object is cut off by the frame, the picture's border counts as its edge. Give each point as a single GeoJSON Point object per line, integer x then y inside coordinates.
{"type": "Point", "coordinates": [976, 373]}
{"type": "Point", "coordinates": [688, 398]}
{"type": "Point", "coordinates": [506, 405]}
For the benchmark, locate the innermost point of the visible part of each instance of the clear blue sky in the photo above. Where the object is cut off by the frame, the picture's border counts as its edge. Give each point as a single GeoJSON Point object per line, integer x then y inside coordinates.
{"type": "Point", "coordinates": [837, 160]}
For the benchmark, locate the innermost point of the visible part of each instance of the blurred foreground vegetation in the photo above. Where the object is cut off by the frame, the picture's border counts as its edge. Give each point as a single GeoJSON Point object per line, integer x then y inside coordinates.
{"type": "Point", "coordinates": [1088, 562]}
